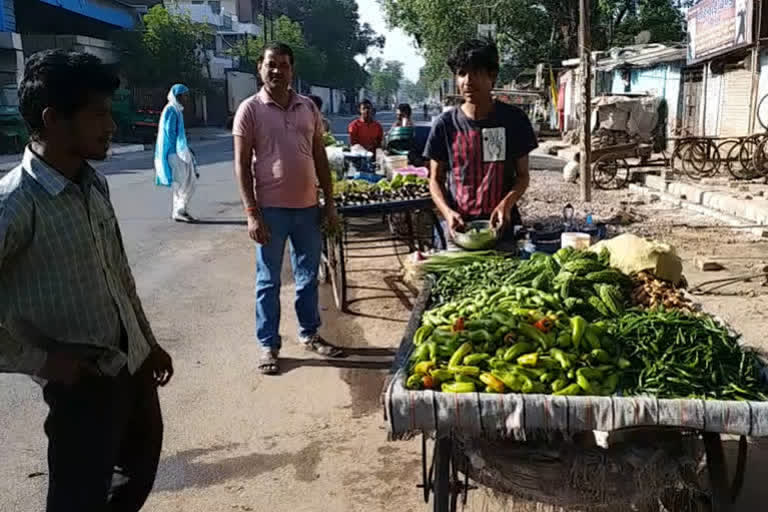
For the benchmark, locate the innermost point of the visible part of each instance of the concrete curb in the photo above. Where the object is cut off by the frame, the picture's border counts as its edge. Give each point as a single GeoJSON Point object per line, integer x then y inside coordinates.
{"type": "Point", "coordinates": [755, 210]}
{"type": "Point", "coordinates": [728, 219]}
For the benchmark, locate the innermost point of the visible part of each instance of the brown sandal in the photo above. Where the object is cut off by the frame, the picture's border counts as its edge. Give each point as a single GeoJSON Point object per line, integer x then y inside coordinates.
{"type": "Point", "coordinates": [268, 363]}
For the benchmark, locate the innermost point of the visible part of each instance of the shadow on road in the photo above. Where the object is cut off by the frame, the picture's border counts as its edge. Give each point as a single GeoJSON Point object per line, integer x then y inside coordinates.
{"type": "Point", "coordinates": [289, 364]}
{"type": "Point", "coordinates": [221, 222]}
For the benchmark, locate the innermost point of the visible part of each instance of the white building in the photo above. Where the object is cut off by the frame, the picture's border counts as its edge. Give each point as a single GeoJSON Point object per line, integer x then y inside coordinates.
{"type": "Point", "coordinates": [232, 21]}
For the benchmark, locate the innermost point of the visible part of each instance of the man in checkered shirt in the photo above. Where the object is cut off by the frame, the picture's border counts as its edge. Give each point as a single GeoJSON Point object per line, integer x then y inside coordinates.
{"type": "Point", "coordinates": [69, 313]}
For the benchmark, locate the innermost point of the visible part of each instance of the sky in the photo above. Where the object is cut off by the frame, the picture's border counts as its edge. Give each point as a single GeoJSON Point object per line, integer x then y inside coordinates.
{"type": "Point", "coordinates": [399, 46]}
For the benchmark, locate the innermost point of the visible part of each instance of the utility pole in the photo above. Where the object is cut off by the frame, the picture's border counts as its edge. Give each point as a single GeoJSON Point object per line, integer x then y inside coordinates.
{"type": "Point", "coordinates": [264, 20]}
{"type": "Point", "coordinates": [585, 53]}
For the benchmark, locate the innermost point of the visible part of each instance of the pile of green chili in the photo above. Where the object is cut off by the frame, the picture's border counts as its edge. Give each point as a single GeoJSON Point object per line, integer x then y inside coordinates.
{"type": "Point", "coordinates": [676, 355]}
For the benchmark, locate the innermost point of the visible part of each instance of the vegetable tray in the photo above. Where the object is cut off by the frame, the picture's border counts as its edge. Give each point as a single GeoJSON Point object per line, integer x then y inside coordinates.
{"type": "Point", "coordinates": [517, 416]}
{"type": "Point", "coordinates": [386, 207]}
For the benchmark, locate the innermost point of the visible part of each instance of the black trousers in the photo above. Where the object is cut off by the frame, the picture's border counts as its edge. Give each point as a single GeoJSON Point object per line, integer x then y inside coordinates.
{"type": "Point", "coordinates": [104, 441]}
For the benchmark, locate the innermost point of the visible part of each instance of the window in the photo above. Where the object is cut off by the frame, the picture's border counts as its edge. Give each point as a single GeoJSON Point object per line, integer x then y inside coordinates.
{"type": "Point", "coordinates": [215, 6]}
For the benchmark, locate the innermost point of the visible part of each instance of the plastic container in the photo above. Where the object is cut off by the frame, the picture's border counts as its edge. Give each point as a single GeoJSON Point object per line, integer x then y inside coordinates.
{"type": "Point", "coordinates": [395, 162]}
{"type": "Point", "coordinates": [575, 240]}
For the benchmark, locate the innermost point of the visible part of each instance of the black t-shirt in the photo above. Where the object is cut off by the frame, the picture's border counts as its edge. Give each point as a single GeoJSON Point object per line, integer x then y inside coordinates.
{"type": "Point", "coordinates": [481, 156]}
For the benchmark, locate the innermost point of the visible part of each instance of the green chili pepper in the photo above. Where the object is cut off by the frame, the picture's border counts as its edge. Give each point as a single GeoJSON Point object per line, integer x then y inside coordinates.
{"type": "Point", "coordinates": [424, 367]}
{"type": "Point", "coordinates": [564, 340]}
{"type": "Point", "coordinates": [578, 328]}
{"type": "Point", "coordinates": [585, 384]}
{"type": "Point", "coordinates": [533, 387]}
{"type": "Point", "coordinates": [517, 350]}
{"type": "Point", "coordinates": [504, 319]}
{"type": "Point", "coordinates": [610, 383]}
{"type": "Point", "coordinates": [420, 354]}
{"type": "Point", "coordinates": [441, 375]}
{"type": "Point", "coordinates": [469, 371]}
{"type": "Point", "coordinates": [558, 384]}
{"type": "Point", "coordinates": [495, 384]}
{"type": "Point", "coordinates": [413, 382]}
{"type": "Point", "coordinates": [531, 359]}
{"type": "Point", "coordinates": [421, 334]}
{"type": "Point", "coordinates": [561, 357]}
{"type": "Point", "coordinates": [460, 354]}
{"type": "Point", "coordinates": [590, 373]}
{"type": "Point", "coordinates": [475, 359]}
{"type": "Point", "coordinates": [601, 355]}
{"type": "Point", "coordinates": [458, 387]}
{"type": "Point", "coordinates": [533, 334]}
{"type": "Point", "coordinates": [572, 390]}
{"type": "Point", "coordinates": [623, 363]}
{"type": "Point", "coordinates": [549, 376]}
{"type": "Point", "coordinates": [592, 338]}
{"type": "Point", "coordinates": [480, 325]}
{"type": "Point", "coordinates": [511, 380]}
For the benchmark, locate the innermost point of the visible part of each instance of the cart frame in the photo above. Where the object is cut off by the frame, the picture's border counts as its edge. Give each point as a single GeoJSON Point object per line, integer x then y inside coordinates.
{"type": "Point", "coordinates": [335, 249]}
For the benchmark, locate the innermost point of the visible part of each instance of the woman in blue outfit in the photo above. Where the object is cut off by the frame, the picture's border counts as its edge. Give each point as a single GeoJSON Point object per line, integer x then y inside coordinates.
{"type": "Point", "coordinates": [175, 164]}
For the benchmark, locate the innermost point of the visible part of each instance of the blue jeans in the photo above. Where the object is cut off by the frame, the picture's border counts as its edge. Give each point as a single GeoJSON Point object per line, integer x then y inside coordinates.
{"type": "Point", "coordinates": [300, 226]}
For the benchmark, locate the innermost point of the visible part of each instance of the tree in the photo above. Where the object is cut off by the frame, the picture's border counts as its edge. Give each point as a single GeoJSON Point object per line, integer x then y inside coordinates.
{"type": "Point", "coordinates": [414, 92]}
{"type": "Point", "coordinates": [310, 63]}
{"type": "Point", "coordinates": [333, 26]}
{"type": "Point", "coordinates": [530, 32]}
{"type": "Point", "coordinates": [385, 78]}
{"type": "Point", "coordinates": [169, 50]}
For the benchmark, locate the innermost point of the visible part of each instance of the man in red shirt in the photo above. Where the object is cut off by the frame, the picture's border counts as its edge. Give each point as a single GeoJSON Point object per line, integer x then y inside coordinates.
{"type": "Point", "coordinates": [365, 130]}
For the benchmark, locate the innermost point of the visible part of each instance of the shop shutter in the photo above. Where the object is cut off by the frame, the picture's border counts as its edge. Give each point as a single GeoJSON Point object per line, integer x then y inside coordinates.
{"type": "Point", "coordinates": [734, 109]}
{"type": "Point", "coordinates": [692, 100]}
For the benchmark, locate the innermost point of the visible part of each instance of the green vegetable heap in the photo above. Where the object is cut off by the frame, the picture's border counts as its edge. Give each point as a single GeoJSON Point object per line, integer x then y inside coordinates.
{"type": "Point", "coordinates": [361, 192]}
{"type": "Point", "coordinates": [678, 355]}
{"type": "Point", "coordinates": [557, 324]}
{"type": "Point", "coordinates": [517, 336]}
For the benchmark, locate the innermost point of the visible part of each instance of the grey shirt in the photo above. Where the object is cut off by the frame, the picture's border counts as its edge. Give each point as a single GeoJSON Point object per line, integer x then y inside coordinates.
{"type": "Point", "coordinates": [65, 282]}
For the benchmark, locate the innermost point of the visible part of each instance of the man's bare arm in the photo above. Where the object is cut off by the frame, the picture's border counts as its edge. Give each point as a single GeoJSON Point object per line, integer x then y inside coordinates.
{"type": "Point", "coordinates": [243, 158]}
{"type": "Point", "coordinates": [436, 184]}
{"type": "Point", "coordinates": [521, 182]}
{"type": "Point", "coordinates": [322, 169]}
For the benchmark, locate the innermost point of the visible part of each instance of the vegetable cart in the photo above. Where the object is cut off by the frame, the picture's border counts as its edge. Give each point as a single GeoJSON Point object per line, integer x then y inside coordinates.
{"type": "Point", "coordinates": [336, 247]}
{"type": "Point", "coordinates": [528, 446]}
{"type": "Point", "coordinates": [610, 169]}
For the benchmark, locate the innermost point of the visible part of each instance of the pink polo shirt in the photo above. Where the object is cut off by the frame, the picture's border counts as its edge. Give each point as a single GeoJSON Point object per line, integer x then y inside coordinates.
{"type": "Point", "coordinates": [283, 167]}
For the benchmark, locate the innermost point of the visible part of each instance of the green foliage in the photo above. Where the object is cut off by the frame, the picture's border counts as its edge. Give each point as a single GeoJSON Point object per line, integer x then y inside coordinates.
{"type": "Point", "coordinates": [310, 63]}
{"type": "Point", "coordinates": [333, 26]}
{"type": "Point", "coordinates": [385, 79]}
{"type": "Point", "coordinates": [170, 49]}
{"type": "Point", "coordinates": [414, 92]}
{"type": "Point", "coordinates": [530, 32]}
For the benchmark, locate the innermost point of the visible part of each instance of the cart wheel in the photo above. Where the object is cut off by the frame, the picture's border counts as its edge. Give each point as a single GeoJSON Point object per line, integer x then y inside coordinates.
{"type": "Point", "coordinates": [338, 272]}
{"type": "Point", "coordinates": [445, 484]}
{"type": "Point", "coordinates": [610, 172]}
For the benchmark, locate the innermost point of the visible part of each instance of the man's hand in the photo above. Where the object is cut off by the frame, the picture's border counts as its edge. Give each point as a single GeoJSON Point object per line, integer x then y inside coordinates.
{"type": "Point", "coordinates": [502, 215]}
{"type": "Point", "coordinates": [455, 222]}
{"type": "Point", "coordinates": [67, 369]}
{"type": "Point", "coordinates": [161, 365]}
{"type": "Point", "coordinates": [331, 217]}
{"type": "Point", "coordinates": [258, 229]}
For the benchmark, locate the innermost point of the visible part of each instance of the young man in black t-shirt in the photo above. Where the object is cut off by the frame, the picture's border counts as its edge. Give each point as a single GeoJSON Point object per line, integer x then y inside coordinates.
{"type": "Point", "coordinates": [478, 151]}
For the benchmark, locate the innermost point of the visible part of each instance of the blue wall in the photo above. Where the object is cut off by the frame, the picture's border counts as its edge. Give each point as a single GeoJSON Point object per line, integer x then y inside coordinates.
{"type": "Point", "coordinates": [117, 15]}
{"type": "Point", "coordinates": [663, 80]}
{"type": "Point", "coordinates": [7, 16]}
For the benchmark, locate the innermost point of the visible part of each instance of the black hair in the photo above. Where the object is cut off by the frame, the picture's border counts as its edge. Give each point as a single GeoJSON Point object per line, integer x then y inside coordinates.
{"type": "Point", "coordinates": [405, 109]}
{"type": "Point", "coordinates": [278, 48]}
{"type": "Point", "coordinates": [62, 80]}
{"type": "Point", "coordinates": [475, 55]}
{"type": "Point", "coordinates": [365, 102]}
{"type": "Point", "coordinates": [317, 100]}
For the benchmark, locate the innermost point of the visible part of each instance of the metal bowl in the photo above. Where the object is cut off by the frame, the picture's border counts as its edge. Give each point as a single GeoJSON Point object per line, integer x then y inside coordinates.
{"type": "Point", "coordinates": [473, 241]}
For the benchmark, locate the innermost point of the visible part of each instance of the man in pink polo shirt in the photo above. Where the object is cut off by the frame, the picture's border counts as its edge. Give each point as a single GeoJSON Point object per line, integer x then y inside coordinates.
{"type": "Point", "coordinates": [279, 159]}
